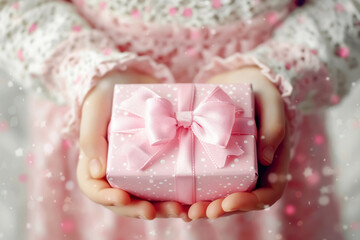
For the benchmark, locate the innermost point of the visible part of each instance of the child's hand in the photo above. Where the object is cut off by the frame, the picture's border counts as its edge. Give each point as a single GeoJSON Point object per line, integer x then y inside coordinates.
{"type": "Point", "coordinates": [91, 169]}
{"type": "Point", "coordinates": [272, 137]}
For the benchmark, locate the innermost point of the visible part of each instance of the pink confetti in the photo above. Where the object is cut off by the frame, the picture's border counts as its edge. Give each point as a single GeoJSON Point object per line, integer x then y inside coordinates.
{"type": "Point", "coordinates": [30, 158]}
{"type": "Point", "coordinates": [343, 52]}
{"type": "Point", "coordinates": [172, 11]}
{"type": "Point", "coordinates": [314, 51]}
{"type": "Point", "coordinates": [22, 178]}
{"type": "Point", "coordinates": [334, 99]}
{"type": "Point", "coordinates": [216, 4]}
{"type": "Point", "coordinates": [32, 28]}
{"type": "Point", "coordinates": [77, 28]}
{"type": "Point", "coordinates": [102, 5]}
{"type": "Point", "coordinates": [319, 139]}
{"type": "Point", "coordinates": [339, 7]}
{"type": "Point", "coordinates": [15, 5]}
{"type": "Point", "coordinates": [300, 158]}
{"type": "Point", "coordinates": [187, 12]}
{"type": "Point", "coordinates": [20, 55]}
{"type": "Point", "coordinates": [66, 144]}
{"type": "Point", "coordinates": [4, 126]}
{"type": "Point", "coordinates": [290, 209]}
{"type": "Point", "coordinates": [298, 194]}
{"type": "Point", "coordinates": [287, 66]}
{"type": "Point", "coordinates": [271, 18]}
{"type": "Point", "coordinates": [67, 225]}
{"type": "Point", "coordinates": [135, 14]}
{"type": "Point", "coordinates": [107, 51]}
{"type": "Point", "coordinates": [313, 179]}
{"type": "Point", "coordinates": [354, 225]}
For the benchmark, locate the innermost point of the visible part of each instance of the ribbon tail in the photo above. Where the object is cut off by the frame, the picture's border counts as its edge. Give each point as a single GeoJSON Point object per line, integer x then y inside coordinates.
{"type": "Point", "coordinates": [218, 156]}
{"type": "Point", "coordinates": [138, 152]}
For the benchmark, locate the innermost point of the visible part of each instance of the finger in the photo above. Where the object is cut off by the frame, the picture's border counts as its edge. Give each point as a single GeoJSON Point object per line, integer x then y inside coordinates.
{"type": "Point", "coordinates": [95, 151]}
{"type": "Point", "coordinates": [99, 190]}
{"type": "Point", "coordinates": [95, 117]}
{"type": "Point", "coordinates": [136, 209]}
{"type": "Point", "coordinates": [168, 209]}
{"type": "Point", "coordinates": [171, 210]}
{"type": "Point", "coordinates": [272, 184]}
{"type": "Point", "coordinates": [243, 201]}
{"type": "Point", "coordinates": [274, 180]}
{"type": "Point", "coordinates": [198, 210]}
{"type": "Point", "coordinates": [214, 210]}
{"type": "Point", "coordinates": [270, 110]}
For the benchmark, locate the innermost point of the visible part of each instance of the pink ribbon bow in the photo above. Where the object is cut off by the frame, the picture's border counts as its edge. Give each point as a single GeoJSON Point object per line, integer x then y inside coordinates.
{"type": "Point", "coordinates": [155, 124]}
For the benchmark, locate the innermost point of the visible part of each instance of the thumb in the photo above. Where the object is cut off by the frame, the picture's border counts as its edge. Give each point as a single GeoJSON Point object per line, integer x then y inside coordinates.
{"type": "Point", "coordinates": [270, 109]}
{"type": "Point", "coordinates": [95, 117]}
{"type": "Point", "coordinates": [95, 150]}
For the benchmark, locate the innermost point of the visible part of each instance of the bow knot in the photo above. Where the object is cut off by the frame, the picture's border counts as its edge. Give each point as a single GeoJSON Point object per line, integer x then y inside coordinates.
{"type": "Point", "coordinates": [184, 118]}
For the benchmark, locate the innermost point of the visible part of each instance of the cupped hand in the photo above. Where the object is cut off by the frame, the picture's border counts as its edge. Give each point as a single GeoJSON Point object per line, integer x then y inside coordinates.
{"type": "Point", "coordinates": [91, 170]}
{"type": "Point", "coordinates": [272, 149]}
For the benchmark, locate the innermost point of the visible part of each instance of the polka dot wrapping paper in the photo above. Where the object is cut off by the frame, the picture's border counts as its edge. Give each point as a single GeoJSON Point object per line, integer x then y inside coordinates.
{"type": "Point", "coordinates": [182, 142]}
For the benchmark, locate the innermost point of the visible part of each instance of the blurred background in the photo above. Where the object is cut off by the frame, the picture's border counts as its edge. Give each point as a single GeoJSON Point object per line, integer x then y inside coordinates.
{"type": "Point", "coordinates": [343, 126]}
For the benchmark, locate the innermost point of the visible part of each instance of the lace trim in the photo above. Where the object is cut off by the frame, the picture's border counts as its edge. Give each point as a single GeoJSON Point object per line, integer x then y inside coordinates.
{"type": "Point", "coordinates": [192, 14]}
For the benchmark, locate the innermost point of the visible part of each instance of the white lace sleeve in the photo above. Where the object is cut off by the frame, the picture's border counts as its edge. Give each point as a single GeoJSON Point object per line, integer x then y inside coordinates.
{"type": "Point", "coordinates": [48, 47]}
{"type": "Point", "coordinates": [313, 56]}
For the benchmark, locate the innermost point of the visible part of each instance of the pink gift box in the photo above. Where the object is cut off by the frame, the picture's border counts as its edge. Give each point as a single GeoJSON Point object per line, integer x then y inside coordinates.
{"type": "Point", "coordinates": [182, 142]}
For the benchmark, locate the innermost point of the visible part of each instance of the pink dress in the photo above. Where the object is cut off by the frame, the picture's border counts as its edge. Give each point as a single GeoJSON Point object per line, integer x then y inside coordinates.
{"type": "Point", "coordinates": [308, 49]}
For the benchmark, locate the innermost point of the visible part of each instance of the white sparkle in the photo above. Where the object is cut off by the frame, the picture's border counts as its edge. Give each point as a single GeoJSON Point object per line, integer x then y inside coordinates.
{"type": "Point", "coordinates": [250, 122]}
{"type": "Point", "coordinates": [48, 149]}
{"type": "Point", "coordinates": [324, 200]}
{"type": "Point", "coordinates": [19, 152]}
{"type": "Point", "coordinates": [327, 171]}
{"type": "Point", "coordinates": [307, 172]}
{"type": "Point", "coordinates": [48, 175]}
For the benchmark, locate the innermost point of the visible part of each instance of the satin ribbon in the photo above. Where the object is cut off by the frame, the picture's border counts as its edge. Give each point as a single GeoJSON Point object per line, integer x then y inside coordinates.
{"type": "Point", "coordinates": [154, 124]}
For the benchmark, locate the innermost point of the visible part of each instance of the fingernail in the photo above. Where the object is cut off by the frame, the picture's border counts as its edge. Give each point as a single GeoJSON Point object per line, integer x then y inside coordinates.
{"type": "Point", "coordinates": [94, 167]}
{"type": "Point", "coordinates": [268, 154]}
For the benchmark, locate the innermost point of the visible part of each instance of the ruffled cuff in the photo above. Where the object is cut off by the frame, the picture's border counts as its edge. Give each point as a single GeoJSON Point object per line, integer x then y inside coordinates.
{"type": "Point", "coordinates": [237, 61]}
{"type": "Point", "coordinates": [83, 83]}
